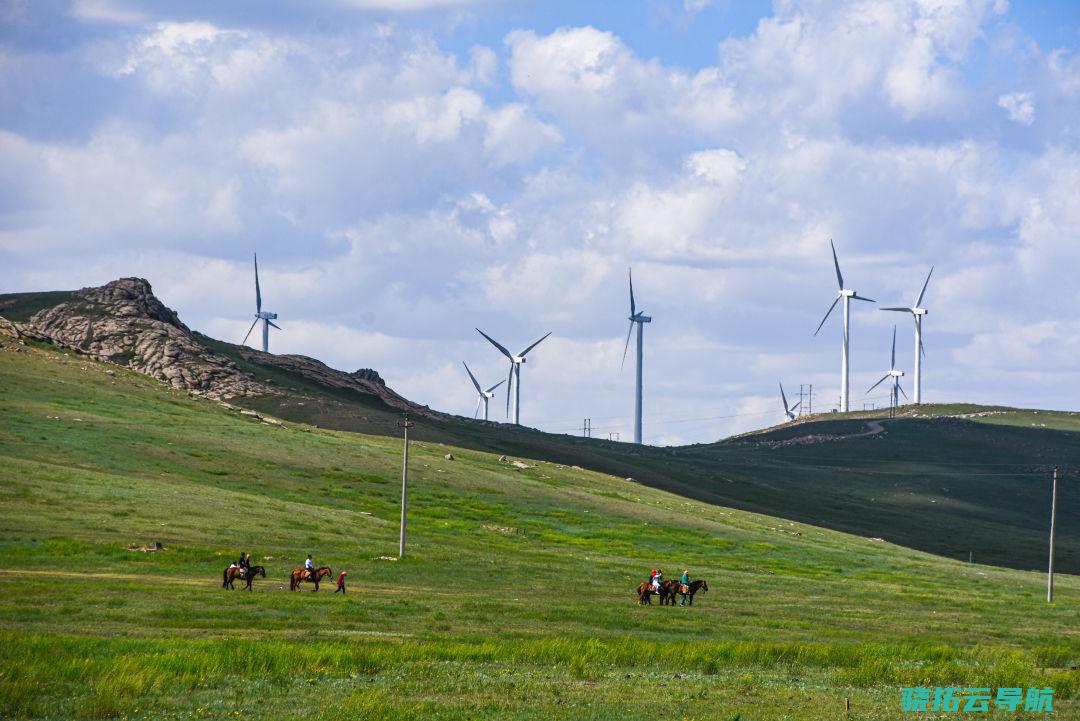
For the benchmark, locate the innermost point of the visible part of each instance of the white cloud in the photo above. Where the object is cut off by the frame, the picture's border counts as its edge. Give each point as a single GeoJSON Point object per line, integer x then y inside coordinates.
{"type": "Point", "coordinates": [400, 193]}
{"type": "Point", "coordinates": [1019, 106]}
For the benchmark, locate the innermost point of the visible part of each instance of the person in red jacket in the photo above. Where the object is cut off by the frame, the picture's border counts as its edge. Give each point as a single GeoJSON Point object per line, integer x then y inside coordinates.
{"type": "Point", "coordinates": [341, 583]}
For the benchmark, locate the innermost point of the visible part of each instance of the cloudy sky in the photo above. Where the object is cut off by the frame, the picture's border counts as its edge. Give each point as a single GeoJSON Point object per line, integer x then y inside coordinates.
{"type": "Point", "coordinates": [411, 169]}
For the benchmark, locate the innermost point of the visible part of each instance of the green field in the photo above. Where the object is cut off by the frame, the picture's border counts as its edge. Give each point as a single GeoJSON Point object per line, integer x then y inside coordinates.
{"type": "Point", "coordinates": [515, 599]}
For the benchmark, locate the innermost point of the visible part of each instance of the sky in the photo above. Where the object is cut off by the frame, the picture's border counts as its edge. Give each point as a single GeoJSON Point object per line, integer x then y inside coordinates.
{"type": "Point", "coordinates": [410, 170]}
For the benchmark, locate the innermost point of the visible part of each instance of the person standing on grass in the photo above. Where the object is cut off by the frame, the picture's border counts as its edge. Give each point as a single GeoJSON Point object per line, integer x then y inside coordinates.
{"type": "Point", "coordinates": [341, 583]}
{"type": "Point", "coordinates": [685, 582]}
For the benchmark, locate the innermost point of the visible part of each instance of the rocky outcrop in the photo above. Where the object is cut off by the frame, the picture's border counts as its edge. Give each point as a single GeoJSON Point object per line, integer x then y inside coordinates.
{"type": "Point", "coordinates": [124, 323]}
{"type": "Point", "coordinates": [364, 381]}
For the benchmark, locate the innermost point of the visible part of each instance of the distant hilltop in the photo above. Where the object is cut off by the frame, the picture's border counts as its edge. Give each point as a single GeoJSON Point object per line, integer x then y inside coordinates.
{"type": "Point", "coordinates": [123, 322]}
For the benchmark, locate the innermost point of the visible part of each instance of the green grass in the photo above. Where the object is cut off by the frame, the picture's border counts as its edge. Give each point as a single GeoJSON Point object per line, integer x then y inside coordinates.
{"type": "Point", "coordinates": [515, 599]}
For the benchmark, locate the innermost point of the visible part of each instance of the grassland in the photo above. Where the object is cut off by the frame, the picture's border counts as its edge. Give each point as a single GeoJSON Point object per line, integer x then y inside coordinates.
{"type": "Point", "coordinates": [514, 601]}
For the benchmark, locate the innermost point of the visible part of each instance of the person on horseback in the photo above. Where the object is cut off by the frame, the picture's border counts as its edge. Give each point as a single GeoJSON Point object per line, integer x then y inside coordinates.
{"type": "Point", "coordinates": [657, 579]}
{"type": "Point", "coordinates": [685, 582]}
{"type": "Point", "coordinates": [309, 566]}
{"type": "Point", "coordinates": [244, 564]}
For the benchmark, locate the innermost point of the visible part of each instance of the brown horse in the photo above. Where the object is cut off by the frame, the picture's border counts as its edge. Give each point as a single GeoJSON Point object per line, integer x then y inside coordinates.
{"type": "Point", "coordinates": [299, 575]}
{"type": "Point", "coordinates": [233, 573]}
{"type": "Point", "coordinates": [669, 590]}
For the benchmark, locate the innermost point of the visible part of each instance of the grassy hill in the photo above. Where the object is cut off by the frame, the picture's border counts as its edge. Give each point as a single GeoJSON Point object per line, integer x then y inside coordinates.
{"type": "Point", "coordinates": [515, 599]}
{"type": "Point", "coordinates": [961, 481]}
{"type": "Point", "coordinates": [955, 480]}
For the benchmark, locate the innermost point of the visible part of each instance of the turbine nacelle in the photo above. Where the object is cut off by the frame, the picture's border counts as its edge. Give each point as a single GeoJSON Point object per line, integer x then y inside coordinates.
{"type": "Point", "coordinates": [919, 311]}
{"type": "Point", "coordinates": [640, 318]}
{"type": "Point", "coordinates": [266, 315]}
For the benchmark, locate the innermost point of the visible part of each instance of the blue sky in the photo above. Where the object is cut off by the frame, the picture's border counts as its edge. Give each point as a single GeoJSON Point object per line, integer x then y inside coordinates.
{"type": "Point", "coordinates": [411, 169]}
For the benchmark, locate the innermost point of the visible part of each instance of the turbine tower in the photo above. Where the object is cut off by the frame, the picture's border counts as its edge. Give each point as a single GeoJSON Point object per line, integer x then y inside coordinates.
{"type": "Point", "coordinates": [917, 313]}
{"type": "Point", "coordinates": [640, 319]}
{"type": "Point", "coordinates": [514, 380]}
{"type": "Point", "coordinates": [894, 398]}
{"type": "Point", "coordinates": [482, 395]}
{"type": "Point", "coordinates": [789, 412]}
{"type": "Point", "coordinates": [846, 295]}
{"type": "Point", "coordinates": [264, 315]}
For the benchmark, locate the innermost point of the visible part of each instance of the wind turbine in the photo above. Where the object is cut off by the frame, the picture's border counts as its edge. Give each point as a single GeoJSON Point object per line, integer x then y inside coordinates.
{"type": "Point", "coordinates": [264, 315]}
{"type": "Point", "coordinates": [917, 313]}
{"type": "Point", "coordinates": [640, 319]}
{"type": "Point", "coordinates": [896, 375]}
{"type": "Point", "coordinates": [482, 395]}
{"type": "Point", "coordinates": [789, 412]}
{"type": "Point", "coordinates": [847, 295]}
{"type": "Point", "coordinates": [514, 380]}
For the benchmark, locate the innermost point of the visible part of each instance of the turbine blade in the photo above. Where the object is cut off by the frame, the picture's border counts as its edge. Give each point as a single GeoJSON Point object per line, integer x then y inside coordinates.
{"type": "Point", "coordinates": [258, 293]}
{"type": "Point", "coordinates": [522, 354]}
{"type": "Point", "coordinates": [509, 384]}
{"type": "Point", "coordinates": [901, 389]}
{"type": "Point", "coordinates": [472, 377]}
{"type": "Point", "coordinates": [883, 378]}
{"type": "Point", "coordinates": [859, 297]}
{"type": "Point", "coordinates": [792, 409]}
{"type": "Point", "coordinates": [922, 348]}
{"type": "Point", "coordinates": [627, 346]}
{"type": "Point", "coordinates": [633, 308]}
{"type": "Point", "coordinates": [892, 363]}
{"type": "Point", "coordinates": [496, 344]}
{"type": "Point", "coordinates": [782, 396]}
{"type": "Point", "coordinates": [478, 402]}
{"type": "Point", "coordinates": [274, 324]}
{"type": "Point", "coordinates": [489, 390]}
{"type": "Point", "coordinates": [827, 313]}
{"type": "Point", "coordinates": [923, 291]}
{"type": "Point", "coordinates": [902, 310]}
{"type": "Point", "coordinates": [839, 277]}
{"type": "Point", "coordinates": [243, 342]}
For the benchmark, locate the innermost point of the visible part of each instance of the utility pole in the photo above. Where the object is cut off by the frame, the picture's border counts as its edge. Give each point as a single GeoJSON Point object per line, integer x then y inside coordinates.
{"type": "Point", "coordinates": [801, 404]}
{"type": "Point", "coordinates": [811, 399]}
{"type": "Point", "coordinates": [407, 424]}
{"type": "Point", "coordinates": [586, 428]}
{"type": "Point", "coordinates": [613, 435]}
{"type": "Point", "coordinates": [1053, 518]}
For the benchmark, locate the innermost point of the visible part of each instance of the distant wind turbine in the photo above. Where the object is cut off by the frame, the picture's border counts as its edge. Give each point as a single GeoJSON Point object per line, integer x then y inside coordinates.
{"type": "Point", "coordinates": [640, 319]}
{"type": "Point", "coordinates": [514, 380]}
{"type": "Point", "coordinates": [789, 412]}
{"type": "Point", "coordinates": [265, 316]}
{"type": "Point", "coordinates": [847, 295]}
{"type": "Point", "coordinates": [482, 395]}
{"type": "Point", "coordinates": [917, 313]}
{"type": "Point", "coordinates": [896, 375]}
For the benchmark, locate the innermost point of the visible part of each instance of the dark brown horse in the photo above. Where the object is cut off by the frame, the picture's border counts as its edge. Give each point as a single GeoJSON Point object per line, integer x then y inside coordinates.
{"type": "Point", "coordinates": [692, 588]}
{"type": "Point", "coordinates": [299, 575]}
{"type": "Point", "coordinates": [669, 590]}
{"type": "Point", "coordinates": [232, 573]}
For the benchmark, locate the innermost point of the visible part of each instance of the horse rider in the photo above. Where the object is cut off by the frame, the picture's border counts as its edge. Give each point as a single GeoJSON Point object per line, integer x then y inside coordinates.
{"type": "Point", "coordinates": [244, 564]}
{"type": "Point", "coordinates": [309, 566]}
{"type": "Point", "coordinates": [657, 579]}
{"type": "Point", "coordinates": [685, 583]}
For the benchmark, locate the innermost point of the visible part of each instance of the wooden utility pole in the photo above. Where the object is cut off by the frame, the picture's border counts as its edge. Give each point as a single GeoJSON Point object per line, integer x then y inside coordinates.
{"type": "Point", "coordinates": [1053, 519]}
{"type": "Point", "coordinates": [406, 424]}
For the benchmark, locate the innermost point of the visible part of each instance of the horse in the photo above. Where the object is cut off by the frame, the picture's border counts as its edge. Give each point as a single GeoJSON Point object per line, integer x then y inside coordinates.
{"type": "Point", "coordinates": [692, 588]}
{"type": "Point", "coordinates": [646, 590]}
{"type": "Point", "coordinates": [299, 575]}
{"type": "Point", "coordinates": [235, 572]}
{"type": "Point", "coordinates": [669, 590]}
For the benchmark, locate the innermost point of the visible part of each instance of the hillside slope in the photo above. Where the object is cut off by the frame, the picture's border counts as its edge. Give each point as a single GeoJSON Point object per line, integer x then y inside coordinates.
{"type": "Point", "coordinates": [959, 481]}
{"type": "Point", "coordinates": [515, 599]}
